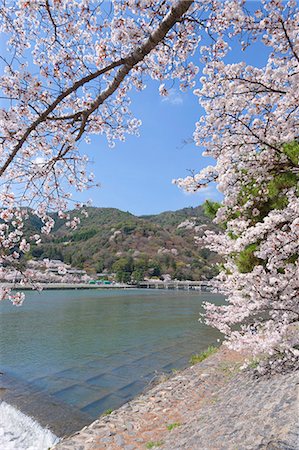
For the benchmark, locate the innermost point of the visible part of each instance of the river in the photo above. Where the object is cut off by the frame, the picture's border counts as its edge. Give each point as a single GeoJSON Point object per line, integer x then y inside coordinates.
{"type": "Point", "coordinates": [90, 351]}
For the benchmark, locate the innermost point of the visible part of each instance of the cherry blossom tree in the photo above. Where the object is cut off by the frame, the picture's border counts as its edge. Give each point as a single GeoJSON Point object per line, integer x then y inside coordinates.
{"type": "Point", "coordinates": [69, 70]}
{"type": "Point", "coordinates": [250, 127]}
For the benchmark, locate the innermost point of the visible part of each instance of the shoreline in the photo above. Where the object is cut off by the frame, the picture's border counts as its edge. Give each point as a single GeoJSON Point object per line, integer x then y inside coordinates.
{"type": "Point", "coordinates": [64, 286]}
{"type": "Point", "coordinates": [50, 413]}
{"type": "Point", "coordinates": [209, 406]}
{"type": "Point", "coordinates": [186, 286]}
{"type": "Point", "coordinates": [145, 357]}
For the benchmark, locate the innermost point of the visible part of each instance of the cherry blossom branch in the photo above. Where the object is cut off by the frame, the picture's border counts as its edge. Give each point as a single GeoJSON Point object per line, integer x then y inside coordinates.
{"type": "Point", "coordinates": [43, 116]}
{"type": "Point", "coordinates": [289, 40]}
{"type": "Point", "coordinates": [128, 63]}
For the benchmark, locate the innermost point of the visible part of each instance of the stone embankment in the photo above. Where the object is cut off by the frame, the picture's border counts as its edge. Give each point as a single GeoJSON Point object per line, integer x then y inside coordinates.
{"type": "Point", "coordinates": [209, 406]}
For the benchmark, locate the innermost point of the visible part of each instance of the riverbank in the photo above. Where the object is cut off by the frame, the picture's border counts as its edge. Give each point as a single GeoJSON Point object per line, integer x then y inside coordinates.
{"type": "Point", "coordinates": [209, 406]}
{"type": "Point", "coordinates": [66, 354]}
{"type": "Point", "coordinates": [65, 286]}
{"type": "Point", "coordinates": [151, 284]}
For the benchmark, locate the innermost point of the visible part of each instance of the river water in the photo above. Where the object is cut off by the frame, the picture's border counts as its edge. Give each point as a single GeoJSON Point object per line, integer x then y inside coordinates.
{"type": "Point", "coordinates": [79, 353]}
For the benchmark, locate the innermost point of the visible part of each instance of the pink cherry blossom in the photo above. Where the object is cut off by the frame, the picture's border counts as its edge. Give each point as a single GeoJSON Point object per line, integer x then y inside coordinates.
{"type": "Point", "coordinates": [69, 73]}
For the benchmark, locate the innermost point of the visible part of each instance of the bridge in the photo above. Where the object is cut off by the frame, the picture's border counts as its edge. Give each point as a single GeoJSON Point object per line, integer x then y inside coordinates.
{"type": "Point", "coordinates": [206, 285]}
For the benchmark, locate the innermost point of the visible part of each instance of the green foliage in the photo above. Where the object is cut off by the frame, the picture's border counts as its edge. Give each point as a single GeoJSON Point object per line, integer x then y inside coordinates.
{"type": "Point", "coordinates": [124, 264]}
{"type": "Point", "coordinates": [171, 426]}
{"type": "Point", "coordinates": [90, 246]}
{"type": "Point", "coordinates": [203, 355]}
{"type": "Point", "coordinates": [246, 260]}
{"type": "Point", "coordinates": [156, 269]}
{"type": "Point", "coordinates": [276, 187]}
{"type": "Point", "coordinates": [100, 266]}
{"type": "Point", "coordinates": [205, 253]}
{"type": "Point", "coordinates": [254, 363]}
{"type": "Point", "coordinates": [127, 227]}
{"type": "Point", "coordinates": [211, 208]}
{"type": "Point", "coordinates": [209, 272]}
{"type": "Point", "coordinates": [180, 271]}
{"type": "Point", "coordinates": [141, 264]}
{"type": "Point", "coordinates": [292, 259]}
{"type": "Point", "coordinates": [170, 219]}
{"type": "Point", "coordinates": [36, 251]}
{"type": "Point", "coordinates": [123, 268]}
{"type": "Point", "coordinates": [232, 235]}
{"type": "Point", "coordinates": [107, 412]}
{"type": "Point", "coordinates": [276, 199]}
{"type": "Point", "coordinates": [84, 234]}
{"type": "Point", "coordinates": [52, 252]}
{"type": "Point", "coordinates": [280, 182]}
{"type": "Point", "coordinates": [249, 190]}
{"type": "Point", "coordinates": [78, 260]}
{"type": "Point", "coordinates": [123, 277]}
{"type": "Point", "coordinates": [137, 276]}
{"type": "Point", "coordinates": [292, 151]}
{"type": "Point", "coordinates": [153, 444]}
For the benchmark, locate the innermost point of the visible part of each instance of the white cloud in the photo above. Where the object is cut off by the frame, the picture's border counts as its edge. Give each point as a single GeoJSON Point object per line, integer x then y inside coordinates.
{"type": "Point", "coordinates": [39, 160]}
{"type": "Point", "coordinates": [207, 193]}
{"type": "Point", "coordinates": [174, 97]}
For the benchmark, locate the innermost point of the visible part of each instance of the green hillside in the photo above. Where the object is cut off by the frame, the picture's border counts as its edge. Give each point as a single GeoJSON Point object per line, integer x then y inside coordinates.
{"type": "Point", "coordinates": [116, 241]}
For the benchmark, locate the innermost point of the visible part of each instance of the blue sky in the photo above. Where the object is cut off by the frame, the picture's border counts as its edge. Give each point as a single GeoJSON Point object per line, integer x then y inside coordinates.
{"type": "Point", "coordinates": [137, 175]}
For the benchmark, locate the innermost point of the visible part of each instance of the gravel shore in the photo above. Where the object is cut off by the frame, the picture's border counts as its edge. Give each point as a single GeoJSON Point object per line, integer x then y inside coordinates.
{"type": "Point", "coordinates": [209, 406]}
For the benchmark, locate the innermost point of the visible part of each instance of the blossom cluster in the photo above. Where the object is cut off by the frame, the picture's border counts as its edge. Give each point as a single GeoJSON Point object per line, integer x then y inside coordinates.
{"type": "Point", "coordinates": [250, 128]}
{"type": "Point", "coordinates": [69, 68]}
{"type": "Point", "coordinates": [69, 71]}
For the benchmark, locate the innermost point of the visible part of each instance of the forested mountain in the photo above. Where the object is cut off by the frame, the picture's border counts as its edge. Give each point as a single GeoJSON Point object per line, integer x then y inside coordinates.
{"type": "Point", "coordinates": [116, 241]}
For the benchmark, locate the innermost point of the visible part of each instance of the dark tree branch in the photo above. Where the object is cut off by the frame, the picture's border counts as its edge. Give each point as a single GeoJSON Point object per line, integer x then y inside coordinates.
{"type": "Point", "coordinates": [175, 14]}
